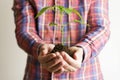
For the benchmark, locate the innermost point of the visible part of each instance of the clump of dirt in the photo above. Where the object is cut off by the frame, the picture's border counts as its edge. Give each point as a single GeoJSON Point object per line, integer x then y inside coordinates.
{"type": "Point", "coordinates": [60, 47]}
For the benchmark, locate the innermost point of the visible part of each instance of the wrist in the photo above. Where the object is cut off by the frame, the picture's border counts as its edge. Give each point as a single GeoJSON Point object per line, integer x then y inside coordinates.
{"type": "Point", "coordinates": [39, 48]}
{"type": "Point", "coordinates": [83, 55]}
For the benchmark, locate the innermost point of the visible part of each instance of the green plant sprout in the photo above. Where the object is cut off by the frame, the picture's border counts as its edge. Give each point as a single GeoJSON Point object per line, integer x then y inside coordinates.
{"type": "Point", "coordinates": [62, 10]}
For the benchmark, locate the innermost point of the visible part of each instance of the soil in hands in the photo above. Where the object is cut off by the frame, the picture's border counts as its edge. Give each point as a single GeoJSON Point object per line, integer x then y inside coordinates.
{"type": "Point", "coordinates": [60, 48]}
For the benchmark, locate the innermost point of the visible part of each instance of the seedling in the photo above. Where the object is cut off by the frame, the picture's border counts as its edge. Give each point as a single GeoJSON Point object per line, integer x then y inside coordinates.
{"type": "Point", "coordinates": [62, 10]}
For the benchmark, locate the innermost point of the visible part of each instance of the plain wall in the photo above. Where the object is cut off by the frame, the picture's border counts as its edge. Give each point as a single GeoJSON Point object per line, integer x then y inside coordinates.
{"type": "Point", "coordinates": [13, 59]}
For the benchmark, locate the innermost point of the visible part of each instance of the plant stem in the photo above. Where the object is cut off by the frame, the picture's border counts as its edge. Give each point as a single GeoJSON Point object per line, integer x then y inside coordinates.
{"type": "Point", "coordinates": [62, 31]}
{"type": "Point", "coordinates": [62, 26]}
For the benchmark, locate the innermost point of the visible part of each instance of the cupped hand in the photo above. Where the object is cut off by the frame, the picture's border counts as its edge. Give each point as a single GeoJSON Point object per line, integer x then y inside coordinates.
{"type": "Point", "coordinates": [73, 63]}
{"type": "Point", "coordinates": [60, 62]}
{"type": "Point", "coordinates": [53, 62]}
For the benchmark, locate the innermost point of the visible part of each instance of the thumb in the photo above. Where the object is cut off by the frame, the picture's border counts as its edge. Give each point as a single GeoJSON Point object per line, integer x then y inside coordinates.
{"type": "Point", "coordinates": [50, 47]}
{"type": "Point", "coordinates": [44, 52]}
{"type": "Point", "coordinates": [78, 56]}
{"type": "Point", "coordinates": [75, 56]}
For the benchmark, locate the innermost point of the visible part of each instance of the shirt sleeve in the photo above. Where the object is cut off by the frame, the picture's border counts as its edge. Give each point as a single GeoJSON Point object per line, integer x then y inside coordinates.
{"type": "Point", "coordinates": [26, 32]}
{"type": "Point", "coordinates": [99, 32]}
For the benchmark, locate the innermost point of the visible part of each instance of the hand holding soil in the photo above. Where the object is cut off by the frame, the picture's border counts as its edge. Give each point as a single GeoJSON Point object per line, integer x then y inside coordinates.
{"type": "Point", "coordinates": [60, 61]}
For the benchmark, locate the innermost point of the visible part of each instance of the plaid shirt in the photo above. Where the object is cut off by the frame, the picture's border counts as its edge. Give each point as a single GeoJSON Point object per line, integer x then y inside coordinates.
{"type": "Point", "coordinates": [31, 33]}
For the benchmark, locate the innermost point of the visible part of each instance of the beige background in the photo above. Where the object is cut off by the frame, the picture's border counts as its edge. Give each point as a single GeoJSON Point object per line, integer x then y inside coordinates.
{"type": "Point", "coordinates": [13, 59]}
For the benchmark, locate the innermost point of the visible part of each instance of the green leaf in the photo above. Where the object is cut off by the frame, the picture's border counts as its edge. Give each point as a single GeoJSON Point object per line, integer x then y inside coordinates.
{"type": "Point", "coordinates": [60, 8]}
{"type": "Point", "coordinates": [63, 9]}
{"type": "Point", "coordinates": [68, 10]}
{"type": "Point", "coordinates": [78, 21]}
{"type": "Point", "coordinates": [42, 11]}
{"type": "Point", "coordinates": [52, 24]}
{"type": "Point", "coordinates": [76, 12]}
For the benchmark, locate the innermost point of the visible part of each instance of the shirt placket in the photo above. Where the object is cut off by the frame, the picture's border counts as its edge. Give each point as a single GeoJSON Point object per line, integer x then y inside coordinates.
{"type": "Point", "coordinates": [58, 36]}
{"type": "Point", "coordinates": [57, 32]}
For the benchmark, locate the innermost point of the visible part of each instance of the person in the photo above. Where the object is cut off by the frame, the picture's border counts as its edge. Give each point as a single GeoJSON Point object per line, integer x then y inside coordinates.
{"type": "Point", "coordinates": [38, 39]}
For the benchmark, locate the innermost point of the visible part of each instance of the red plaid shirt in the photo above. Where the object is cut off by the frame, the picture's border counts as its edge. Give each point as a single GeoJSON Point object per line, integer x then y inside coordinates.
{"type": "Point", "coordinates": [31, 33]}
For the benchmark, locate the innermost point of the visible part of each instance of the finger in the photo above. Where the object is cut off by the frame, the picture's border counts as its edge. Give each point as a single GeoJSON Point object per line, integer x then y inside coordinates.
{"type": "Point", "coordinates": [70, 60]}
{"type": "Point", "coordinates": [55, 61]}
{"type": "Point", "coordinates": [47, 58]}
{"type": "Point", "coordinates": [61, 70]}
{"type": "Point", "coordinates": [67, 57]}
{"type": "Point", "coordinates": [44, 52]}
{"type": "Point", "coordinates": [57, 68]}
{"type": "Point", "coordinates": [69, 68]}
{"type": "Point", "coordinates": [44, 49]}
{"type": "Point", "coordinates": [73, 49]}
{"type": "Point", "coordinates": [77, 50]}
{"type": "Point", "coordinates": [50, 47]}
{"type": "Point", "coordinates": [78, 55]}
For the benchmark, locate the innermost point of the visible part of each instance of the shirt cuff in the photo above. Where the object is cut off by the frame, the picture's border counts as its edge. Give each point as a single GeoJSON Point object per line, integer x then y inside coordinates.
{"type": "Point", "coordinates": [86, 50]}
{"type": "Point", "coordinates": [35, 49]}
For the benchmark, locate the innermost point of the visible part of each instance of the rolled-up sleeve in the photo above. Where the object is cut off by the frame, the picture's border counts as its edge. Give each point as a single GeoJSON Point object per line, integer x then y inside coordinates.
{"type": "Point", "coordinates": [99, 32]}
{"type": "Point", "coordinates": [26, 33]}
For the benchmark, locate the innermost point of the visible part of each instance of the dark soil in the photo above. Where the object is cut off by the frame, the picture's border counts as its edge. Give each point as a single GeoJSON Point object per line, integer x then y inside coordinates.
{"type": "Point", "coordinates": [60, 47]}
